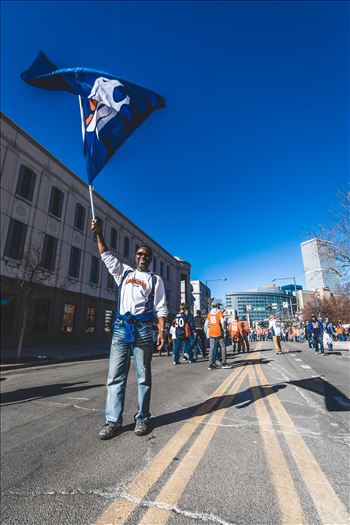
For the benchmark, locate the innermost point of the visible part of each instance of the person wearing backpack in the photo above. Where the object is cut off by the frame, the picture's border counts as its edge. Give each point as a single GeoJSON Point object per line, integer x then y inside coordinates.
{"type": "Point", "coordinates": [141, 297]}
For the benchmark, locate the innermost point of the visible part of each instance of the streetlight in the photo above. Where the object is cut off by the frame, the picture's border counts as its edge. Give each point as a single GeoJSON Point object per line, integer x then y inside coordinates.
{"type": "Point", "coordinates": [295, 288]}
{"type": "Point", "coordinates": [317, 298]}
{"type": "Point", "coordinates": [206, 289]}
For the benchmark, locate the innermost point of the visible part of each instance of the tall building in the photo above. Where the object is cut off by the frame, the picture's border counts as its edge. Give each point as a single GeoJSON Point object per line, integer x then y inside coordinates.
{"type": "Point", "coordinates": [45, 210]}
{"type": "Point", "coordinates": [258, 304]}
{"type": "Point", "coordinates": [319, 260]}
{"type": "Point", "coordinates": [201, 296]}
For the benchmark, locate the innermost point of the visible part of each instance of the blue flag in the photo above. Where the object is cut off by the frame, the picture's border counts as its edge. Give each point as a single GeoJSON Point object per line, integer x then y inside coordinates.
{"type": "Point", "coordinates": [111, 108]}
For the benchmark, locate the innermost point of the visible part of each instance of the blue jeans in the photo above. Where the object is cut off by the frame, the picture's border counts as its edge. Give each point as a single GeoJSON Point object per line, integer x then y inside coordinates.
{"type": "Point", "coordinates": [214, 349]}
{"type": "Point", "coordinates": [119, 365]}
{"type": "Point", "coordinates": [317, 343]}
{"type": "Point", "coordinates": [186, 348]}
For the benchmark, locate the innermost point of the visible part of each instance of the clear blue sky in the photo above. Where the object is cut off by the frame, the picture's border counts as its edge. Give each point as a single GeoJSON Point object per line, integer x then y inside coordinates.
{"type": "Point", "coordinates": [247, 156]}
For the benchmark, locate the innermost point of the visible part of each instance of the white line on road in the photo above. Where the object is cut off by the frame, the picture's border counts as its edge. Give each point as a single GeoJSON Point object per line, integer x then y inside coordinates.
{"type": "Point", "coordinates": [305, 366]}
{"type": "Point", "coordinates": [298, 359]}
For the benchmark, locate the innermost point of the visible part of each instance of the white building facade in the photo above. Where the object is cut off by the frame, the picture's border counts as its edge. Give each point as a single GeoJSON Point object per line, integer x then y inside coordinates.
{"type": "Point", "coordinates": [201, 296]}
{"type": "Point", "coordinates": [45, 205]}
{"type": "Point", "coordinates": [319, 260]}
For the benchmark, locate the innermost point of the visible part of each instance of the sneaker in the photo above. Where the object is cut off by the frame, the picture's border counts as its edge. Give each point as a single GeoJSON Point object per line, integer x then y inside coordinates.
{"type": "Point", "coordinates": [225, 365]}
{"type": "Point", "coordinates": [212, 367]}
{"type": "Point", "coordinates": [176, 363]}
{"type": "Point", "coordinates": [186, 356]}
{"type": "Point", "coordinates": [109, 431]}
{"type": "Point", "coordinates": [141, 428]}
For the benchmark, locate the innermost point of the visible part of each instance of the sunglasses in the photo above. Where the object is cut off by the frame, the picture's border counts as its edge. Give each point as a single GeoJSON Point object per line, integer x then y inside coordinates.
{"type": "Point", "coordinates": [144, 254]}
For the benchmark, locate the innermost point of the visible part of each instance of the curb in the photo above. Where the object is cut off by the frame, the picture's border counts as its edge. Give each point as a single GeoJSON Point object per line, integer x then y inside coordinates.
{"type": "Point", "coordinates": [4, 367]}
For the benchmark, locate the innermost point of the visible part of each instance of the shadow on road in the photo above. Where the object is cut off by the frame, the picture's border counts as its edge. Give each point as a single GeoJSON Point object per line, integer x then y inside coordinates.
{"type": "Point", "coordinates": [252, 351]}
{"type": "Point", "coordinates": [245, 362]}
{"type": "Point", "coordinates": [23, 395]}
{"type": "Point", "coordinates": [335, 400]}
{"type": "Point", "coordinates": [240, 400]}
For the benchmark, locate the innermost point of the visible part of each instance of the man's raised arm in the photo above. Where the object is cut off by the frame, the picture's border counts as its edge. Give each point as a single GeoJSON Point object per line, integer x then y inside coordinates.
{"type": "Point", "coordinates": [101, 243]}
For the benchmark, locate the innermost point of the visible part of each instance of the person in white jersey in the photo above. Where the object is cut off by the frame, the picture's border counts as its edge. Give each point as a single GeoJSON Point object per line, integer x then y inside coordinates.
{"type": "Point", "coordinates": [141, 298]}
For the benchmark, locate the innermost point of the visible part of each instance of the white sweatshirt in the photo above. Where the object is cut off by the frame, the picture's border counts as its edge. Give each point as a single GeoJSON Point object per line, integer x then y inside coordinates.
{"type": "Point", "coordinates": [273, 324]}
{"type": "Point", "coordinates": [136, 287]}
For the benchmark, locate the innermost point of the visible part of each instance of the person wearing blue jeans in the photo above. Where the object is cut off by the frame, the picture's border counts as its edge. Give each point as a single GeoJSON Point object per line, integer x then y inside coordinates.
{"type": "Point", "coordinates": [183, 332]}
{"type": "Point", "coordinates": [315, 328]}
{"type": "Point", "coordinates": [141, 298]}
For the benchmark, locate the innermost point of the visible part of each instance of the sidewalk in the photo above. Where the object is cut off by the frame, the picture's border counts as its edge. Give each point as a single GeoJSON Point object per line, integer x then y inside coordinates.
{"type": "Point", "coordinates": [52, 354]}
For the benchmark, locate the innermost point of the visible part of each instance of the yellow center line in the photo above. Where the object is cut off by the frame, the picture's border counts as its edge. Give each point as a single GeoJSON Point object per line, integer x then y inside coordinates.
{"type": "Point", "coordinates": [288, 498]}
{"type": "Point", "coordinates": [330, 508]}
{"type": "Point", "coordinates": [119, 511]}
{"type": "Point", "coordinates": [177, 483]}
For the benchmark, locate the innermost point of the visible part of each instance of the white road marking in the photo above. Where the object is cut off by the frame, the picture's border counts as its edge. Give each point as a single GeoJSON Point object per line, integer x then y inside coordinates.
{"type": "Point", "coordinates": [298, 359]}
{"type": "Point", "coordinates": [305, 366]}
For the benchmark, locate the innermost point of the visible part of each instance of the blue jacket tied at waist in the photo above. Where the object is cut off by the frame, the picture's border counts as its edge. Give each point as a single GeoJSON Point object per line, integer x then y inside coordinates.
{"type": "Point", "coordinates": [131, 320]}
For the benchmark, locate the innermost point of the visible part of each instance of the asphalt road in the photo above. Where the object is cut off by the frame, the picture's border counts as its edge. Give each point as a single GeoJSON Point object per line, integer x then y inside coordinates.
{"type": "Point", "coordinates": [265, 442]}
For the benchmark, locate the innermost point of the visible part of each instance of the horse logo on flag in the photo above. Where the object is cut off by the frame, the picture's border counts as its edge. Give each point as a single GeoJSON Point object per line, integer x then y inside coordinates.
{"type": "Point", "coordinates": [106, 99]}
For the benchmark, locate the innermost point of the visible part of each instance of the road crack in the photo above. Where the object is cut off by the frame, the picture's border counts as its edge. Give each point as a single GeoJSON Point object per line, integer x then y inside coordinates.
{"type": "Point", "coordinates": [202, 516]}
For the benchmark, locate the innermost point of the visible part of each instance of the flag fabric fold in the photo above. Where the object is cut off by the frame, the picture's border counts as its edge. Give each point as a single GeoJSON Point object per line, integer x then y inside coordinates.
{"type": "Point", "coordinates": [111, 108]}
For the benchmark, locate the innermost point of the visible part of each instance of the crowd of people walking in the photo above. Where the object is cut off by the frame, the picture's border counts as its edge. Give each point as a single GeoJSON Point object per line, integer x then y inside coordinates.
{"type": "Point", "coordinates": [190, 336]}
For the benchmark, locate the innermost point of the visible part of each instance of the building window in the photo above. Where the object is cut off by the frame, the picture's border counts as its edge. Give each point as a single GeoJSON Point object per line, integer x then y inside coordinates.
{"type": "Point", "coordinates": [168, 273]}
{"type": "Point", "coordinates": [49, 252]}
{"type": "Point", "coordinates": [108, 321]}
{"type": "Point", "coordinates": [41, 315]}
{"type": "Point", "coordinates": [68, 322]}
{"type": "Point", "coordinates": [161, 268]}
{"type": "Point", "coordinates": [56, 202]}
{"type": "Point", "coordinates": [94, 270]}
{"type": "Point", "coordinates": [154, 264]}
{"type": "Point", "coordinates": [26, 183]}
{"type": "Point", "coordinates": [114, 239]}
{"type": "Point", "coordinates": [126, 249]}
{"type": "Point", "coordinates": [8, 308]}
{"type": "Point", "coordinates": [111, 284]}
{"type": "Point", "coordinates": [16, 237]}
{"type": "Point", "coordinates": [74, 262]}
{"type": "Point", "coordinates": [79, 217]}
{"type": "Point", "coordinates": [91, 320]}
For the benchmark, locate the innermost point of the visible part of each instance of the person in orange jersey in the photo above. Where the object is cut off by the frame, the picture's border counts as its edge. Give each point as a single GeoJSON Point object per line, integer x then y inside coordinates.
{"type": "Point", "coordinates": [234, 332]}
{"type": "Point", "coordinates": [214, 327]}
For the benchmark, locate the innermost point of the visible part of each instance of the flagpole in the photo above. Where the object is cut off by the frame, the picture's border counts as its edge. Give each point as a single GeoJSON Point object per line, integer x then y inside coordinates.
{"type": "Point", "coordinates": [92, 202]}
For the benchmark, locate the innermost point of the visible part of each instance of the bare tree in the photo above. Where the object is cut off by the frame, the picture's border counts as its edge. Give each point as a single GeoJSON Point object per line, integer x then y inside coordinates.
{"type": "Point", "coordinates": [335, 307]}
{"type": "Point", "coordinates": [29, 276]}
{"type": "Point", "coordinates": [335, 241]}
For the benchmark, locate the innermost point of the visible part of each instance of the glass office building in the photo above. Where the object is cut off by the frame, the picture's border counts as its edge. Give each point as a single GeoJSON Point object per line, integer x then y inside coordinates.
{"type": "Point", "coordinates": [257, 305]}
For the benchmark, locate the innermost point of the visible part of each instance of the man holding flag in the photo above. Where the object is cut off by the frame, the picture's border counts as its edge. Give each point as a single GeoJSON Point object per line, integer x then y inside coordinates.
{"type": "Point", "coordinates": [111, 110]}
{"type": "Point", "coordinates": [141, 297]}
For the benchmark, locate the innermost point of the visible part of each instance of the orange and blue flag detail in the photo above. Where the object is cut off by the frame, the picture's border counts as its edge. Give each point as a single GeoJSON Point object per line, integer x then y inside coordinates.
{"type": "Point", "coordinates": [111, 108]}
